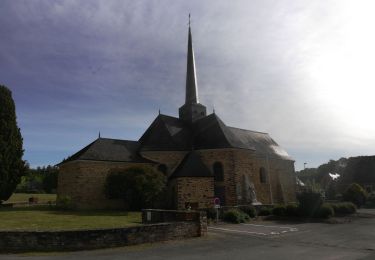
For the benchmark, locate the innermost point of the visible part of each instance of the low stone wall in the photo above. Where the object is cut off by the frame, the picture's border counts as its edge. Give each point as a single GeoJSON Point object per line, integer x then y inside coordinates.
{"type": "Point", "coordinates": [24, 241]}
{"type": "Point", "coordinates": [186, 225]}
{"type": "Point", "coordinates": [157, 216]}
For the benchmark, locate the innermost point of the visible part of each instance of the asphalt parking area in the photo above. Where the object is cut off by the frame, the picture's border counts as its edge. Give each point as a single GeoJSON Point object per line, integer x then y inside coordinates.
{"type": "Point", "coordinates": [254, 229]}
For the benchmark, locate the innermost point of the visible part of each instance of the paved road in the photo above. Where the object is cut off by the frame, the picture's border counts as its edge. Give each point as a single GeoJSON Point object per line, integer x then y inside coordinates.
{"type": "Point", "coordinates": [354, 240]}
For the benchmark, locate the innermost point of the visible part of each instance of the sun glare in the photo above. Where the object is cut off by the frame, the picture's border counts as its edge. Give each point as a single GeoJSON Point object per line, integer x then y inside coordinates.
{"type": "Point", "coordinates": [343, 71]}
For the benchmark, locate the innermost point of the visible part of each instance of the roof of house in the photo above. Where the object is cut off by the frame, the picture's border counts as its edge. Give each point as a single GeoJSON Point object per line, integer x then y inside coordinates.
{"type": "Point", "coordinates": [191, 166]}
{"type": "Point", "coordinates": [105, 149]}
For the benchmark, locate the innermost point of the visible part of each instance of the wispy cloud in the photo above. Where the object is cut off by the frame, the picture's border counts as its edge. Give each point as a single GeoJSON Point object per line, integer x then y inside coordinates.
{"type": "Point", "coordinates": [298, 70]}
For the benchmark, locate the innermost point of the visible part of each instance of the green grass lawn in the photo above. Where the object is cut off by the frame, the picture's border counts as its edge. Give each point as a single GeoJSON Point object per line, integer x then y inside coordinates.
{"type": "Point", "coordinates": [24, 197]}
{"type": "Point", "coordinates": [46, 218]}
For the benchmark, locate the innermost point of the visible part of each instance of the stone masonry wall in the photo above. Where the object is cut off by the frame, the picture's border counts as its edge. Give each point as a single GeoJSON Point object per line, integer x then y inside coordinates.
{"type": "Point", "coordinates": [195, 190]}
{"type": "Point", "coordinates": [226, 158]}
{"type": "Point", "coordinates": [26, 241]}
{"type": "Point", "coordinates": [237, 163]}
{"type": "Point", "coordinates": [170, 158]}
{"type": "Point", "coordinates": [83, 182]}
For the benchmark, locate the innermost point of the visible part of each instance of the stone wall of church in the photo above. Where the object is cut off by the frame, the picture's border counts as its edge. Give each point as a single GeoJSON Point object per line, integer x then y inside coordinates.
{"type": "Point", "coordinates": [170, 158]}
{"type": "Point", "coordinates": [226, 158]}
{"type": "Point", "coordinates": [83, 183]}
{"type": "Point", "coordinates": [242, 167]}
{"type": "Point", "coordinates": [198, 192]}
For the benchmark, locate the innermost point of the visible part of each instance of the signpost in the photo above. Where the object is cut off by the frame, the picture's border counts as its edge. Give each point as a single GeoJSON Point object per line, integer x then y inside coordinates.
{"type": "Point", "coordinates": [217, 207]}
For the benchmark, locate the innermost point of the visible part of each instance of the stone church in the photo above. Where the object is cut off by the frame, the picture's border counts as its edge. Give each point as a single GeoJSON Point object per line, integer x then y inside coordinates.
{"type": "Point", "coordinates": [201, 156]}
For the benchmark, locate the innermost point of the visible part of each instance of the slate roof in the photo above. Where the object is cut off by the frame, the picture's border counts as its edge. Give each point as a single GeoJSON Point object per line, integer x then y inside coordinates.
{"type": "Point", "coordinates": [168, 133]}
{"type": "Point", "coordinates": [261, 142]}
{"type": "Point", "coordinates": [105, 149]}
{"type": "Point", "coordinates": [191, 166]}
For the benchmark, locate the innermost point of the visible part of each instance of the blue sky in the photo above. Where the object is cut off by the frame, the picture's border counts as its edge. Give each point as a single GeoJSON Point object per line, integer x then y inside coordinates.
{"type": "Point", "coordinates": [299, 70]}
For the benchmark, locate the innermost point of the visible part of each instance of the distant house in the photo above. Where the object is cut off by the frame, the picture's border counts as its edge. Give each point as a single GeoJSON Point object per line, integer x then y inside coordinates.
{"type": "Point", "coordinates": [202, 157]}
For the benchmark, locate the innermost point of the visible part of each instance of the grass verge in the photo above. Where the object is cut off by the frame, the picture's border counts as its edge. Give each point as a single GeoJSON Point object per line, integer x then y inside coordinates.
{"type": "Point", "coordinates": [41, 218]}
{"type": "Point", "coordinates": [24, 197]}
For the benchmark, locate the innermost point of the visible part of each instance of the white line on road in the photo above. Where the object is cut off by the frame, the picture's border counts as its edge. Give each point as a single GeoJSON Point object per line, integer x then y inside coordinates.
{"type": "Point", "coordinates": [265, 226]}
{"type": "Point", "coordinates": [291, 229]}
{"type": "Point", "coordinates": [238, 231]}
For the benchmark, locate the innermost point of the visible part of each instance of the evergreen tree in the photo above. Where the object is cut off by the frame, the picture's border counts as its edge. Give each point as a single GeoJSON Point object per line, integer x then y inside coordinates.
{"type": "Point", "coordinates": [11, 164]}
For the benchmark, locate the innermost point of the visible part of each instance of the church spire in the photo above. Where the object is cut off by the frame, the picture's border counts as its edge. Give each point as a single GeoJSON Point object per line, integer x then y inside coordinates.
{"type": "Point", "coordinates": [192, 109]}
{"type": "Point", "coordinates": [191, 77]}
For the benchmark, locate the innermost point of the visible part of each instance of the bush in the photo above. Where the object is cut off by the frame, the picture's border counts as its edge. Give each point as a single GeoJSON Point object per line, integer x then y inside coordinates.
{"type": "Point", "coordinates": [137, 186]}
{"type": "Point", "coordinates": [64, 202]}
{"type": "Point", "coordinates": [279, 210]}
{"type": "Point", "coordinates": [211, 213]}
{"type": "Point", "coordinates": [292, 210]}
{"type": "Point", "coordinates": [344, 208]}
{"type": "Point", "coordinates": [249, 210]}
{"type": "Point", "coordinates": [235, 216]}
{"type": "Point", "coordinates": [309, 203]}
{"type": "Point", "coordinates": [356, 194]}
{"type": "Point", "coordinates": [325, 211]}
{"type": "Point", "coordinates": [264, 211]}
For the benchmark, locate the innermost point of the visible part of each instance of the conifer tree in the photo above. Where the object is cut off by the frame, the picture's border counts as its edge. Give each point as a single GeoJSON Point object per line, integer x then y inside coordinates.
{"type": "Point", "coordinates": [11, 164]}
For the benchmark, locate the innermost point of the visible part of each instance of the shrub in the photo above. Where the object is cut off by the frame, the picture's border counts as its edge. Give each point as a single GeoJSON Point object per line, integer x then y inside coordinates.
{"type": "Point", "coordinates": [211, 213]}
{"type": "Point", "coordinates": [309, 203]}
{"type": "Point", "coordinates": [137, 186]}
{"type": "Point", "coordinates": [249, 210]}
{"type": "Point", "coordinates": [292, 210]}
{"type": "Point", "coordinates": [235, 216]}
{"type": "Point", "coordinates": [64, 202]}
{"type": "Point", "coordinates": [356, 194]}
{"type": "Point", "coordinates": [279, 210]}
{"type": "Point", "coordinates": [325, 211]}
{"type": "Point", "coordinates": [344, 208]}
{"type": "Point", "coordinates": [263, 211]}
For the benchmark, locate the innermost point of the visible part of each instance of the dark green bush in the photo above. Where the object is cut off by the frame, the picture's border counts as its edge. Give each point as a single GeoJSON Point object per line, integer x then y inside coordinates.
{"type": "Point", "coordinates": [356, 194]}
{"type": "Point", "coordinates": [235, 216]}
{"type": "Point", "coordinates": [325, 211]}
{"type": "Point", "coordinates": [211, 213]}
{"type": "Point", "coordinates": [292, 210]}
{"type": "Point", "coordinates": [264, 211]}
{"type": "Point", "coordinates": [344, 208]}
{"type": "Point", "coordinates": [279, 210]}
{"type": "Point", "coordinates": [249, 210]}
{"type": "Point", "coordinates": [138, 186]}
{"type": "Point", "coordinates": [309, 203]}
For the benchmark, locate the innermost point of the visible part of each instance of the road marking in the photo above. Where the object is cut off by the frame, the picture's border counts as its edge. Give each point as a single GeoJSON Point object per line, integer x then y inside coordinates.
{"type": "Point", "coordinates": [265, 226]}
{"type": "Point", "coordinates": [238, 231]}
{"type": "Point", "coordinates": [291, 229]}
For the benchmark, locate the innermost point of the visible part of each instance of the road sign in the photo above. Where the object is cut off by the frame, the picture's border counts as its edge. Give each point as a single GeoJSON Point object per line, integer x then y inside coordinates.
{"type": "Point", "coordinates": [217, 206]}
{"type": "Point", "coordinates": [216, 201]}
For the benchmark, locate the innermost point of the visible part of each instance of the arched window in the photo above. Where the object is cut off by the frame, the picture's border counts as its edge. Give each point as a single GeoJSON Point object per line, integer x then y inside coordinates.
{"type": "Point", "coordinates": [162, 168]}
{"type": "Point", "coordinates": [218, 171]}
{"type": "Point", "coordinates": [262, 175]}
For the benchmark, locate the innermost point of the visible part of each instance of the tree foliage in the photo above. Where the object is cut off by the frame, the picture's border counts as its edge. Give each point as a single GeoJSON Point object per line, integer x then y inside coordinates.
{"type": "Point", "coordinates": [12, 166]}
{"type": "Point", "coordinates": [309, 203]}
{"type": "Point", "coordinates": [138, 187]}
{"type": "Point", "coordinates": [39, 180]}
{"type": "Point", "coordinates": [355, 194]}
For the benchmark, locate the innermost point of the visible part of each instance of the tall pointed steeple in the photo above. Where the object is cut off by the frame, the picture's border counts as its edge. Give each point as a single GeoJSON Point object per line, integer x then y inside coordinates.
{"type": "Point", "coordinates": [191, 77]}
{"type": "Point", "coordinates": [192, 109]}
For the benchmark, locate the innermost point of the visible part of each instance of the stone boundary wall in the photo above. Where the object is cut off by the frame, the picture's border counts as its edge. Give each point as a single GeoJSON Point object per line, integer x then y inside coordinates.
{"type": "Point", "coordinates": [26, 241]}
{"type": "Point", "coordinates": [157, 216]}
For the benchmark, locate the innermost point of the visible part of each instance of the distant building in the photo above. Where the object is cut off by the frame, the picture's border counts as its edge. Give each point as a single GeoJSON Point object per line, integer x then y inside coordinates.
{"type": "Point", "coordinates": [202, 157]}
